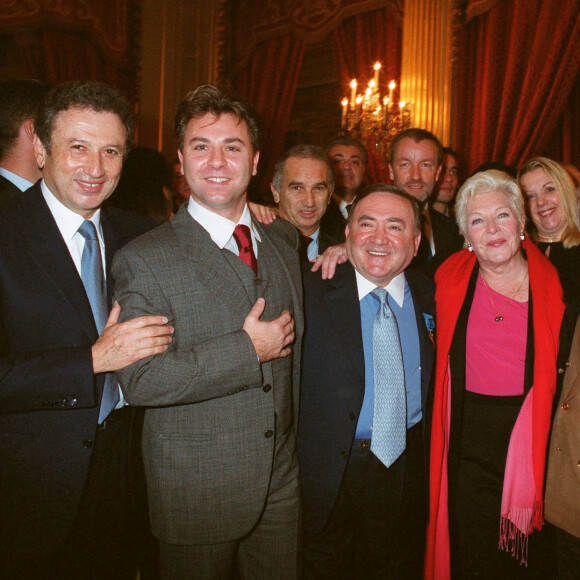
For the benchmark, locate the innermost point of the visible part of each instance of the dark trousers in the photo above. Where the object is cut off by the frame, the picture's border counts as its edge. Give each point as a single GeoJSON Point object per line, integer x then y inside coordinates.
{"type": "Point", "coordinates": [96, 548]}
{"type": "Point", "coordinates": [567, 554]}
{"type": "Point", "coordinates": [377, 527]}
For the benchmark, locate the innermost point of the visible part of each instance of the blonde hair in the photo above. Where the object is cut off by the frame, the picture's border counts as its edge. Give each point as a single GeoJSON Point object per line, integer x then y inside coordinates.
{"type": "Point", "coordinates": [486, 182]}
{"type": "Point", "coordinates": [567, 192]}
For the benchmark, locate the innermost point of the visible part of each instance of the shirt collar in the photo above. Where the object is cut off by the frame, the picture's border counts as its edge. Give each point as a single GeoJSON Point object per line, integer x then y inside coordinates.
{"type": "Point", "coordinates": [395, 288]}
{"type": "Point", "coordinates": [315, 235]}
{"type": "Point", "coordinates": [218, 227]}
{"type": "Point", "coordinates": [68, 221]}
{"type": "Point", "coordinates": [21, 183]}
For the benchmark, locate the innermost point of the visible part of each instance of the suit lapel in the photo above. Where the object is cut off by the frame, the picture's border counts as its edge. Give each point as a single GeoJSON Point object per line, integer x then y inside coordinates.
{"type": "Point", "coordinates": [291, 266]}
{"type": "Point", "coordinates": [423, 303]}
{"type": "Point", "coordinates": [211, 267]}
{"type": "Point", "coordinates": [342, 302]}
{"type": "Point", "coordinates": [50, 253]}
{"type": "Point", "coordinates": [111, 247]}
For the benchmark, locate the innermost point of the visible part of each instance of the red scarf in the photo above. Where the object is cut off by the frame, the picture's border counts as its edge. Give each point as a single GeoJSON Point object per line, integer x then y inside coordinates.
{"type": "Point", "coordinates": [452, 281]}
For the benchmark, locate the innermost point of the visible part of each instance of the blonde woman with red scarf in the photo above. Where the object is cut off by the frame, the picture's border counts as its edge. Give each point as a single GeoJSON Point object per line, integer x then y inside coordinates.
{"type": "Point", "coordinates": [499, 313]}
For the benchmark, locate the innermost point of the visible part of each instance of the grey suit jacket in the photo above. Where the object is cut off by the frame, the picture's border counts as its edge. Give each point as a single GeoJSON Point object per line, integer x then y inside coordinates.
{"type": "Point", "coordinates": [562, 503]}
{"type": "Point", "coordinates": [207, 438]}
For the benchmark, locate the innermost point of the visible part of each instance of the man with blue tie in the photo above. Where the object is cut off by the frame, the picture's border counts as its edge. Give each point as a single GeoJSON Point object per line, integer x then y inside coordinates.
{"type": "Point", "coordinates": [367, 363]}
{"type": "Point", "coordinates": [63, 426]}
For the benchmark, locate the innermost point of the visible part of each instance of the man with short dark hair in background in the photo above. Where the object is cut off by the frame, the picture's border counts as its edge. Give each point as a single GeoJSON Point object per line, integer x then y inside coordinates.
{"type": "Point", "coordinates": [443, 197]}
{"type": "Point", "coordinates": [19, 100]}
{"type": "Point", "coordinates": [349, 159]}
{"type": "Point", "coordinates": [63, 425]}
{"type": "Point", "coordinates": [302, 185]}
{"type": "Point", "coordinates": [416, 156]}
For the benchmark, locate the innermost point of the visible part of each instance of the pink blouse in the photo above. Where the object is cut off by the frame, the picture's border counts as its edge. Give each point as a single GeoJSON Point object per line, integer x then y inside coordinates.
{"type": "Point", "coordinates": [495, 356]}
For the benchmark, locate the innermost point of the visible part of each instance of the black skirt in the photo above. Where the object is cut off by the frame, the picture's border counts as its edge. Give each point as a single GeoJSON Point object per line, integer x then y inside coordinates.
{"type": "Point", "coordinates": [486, 429]}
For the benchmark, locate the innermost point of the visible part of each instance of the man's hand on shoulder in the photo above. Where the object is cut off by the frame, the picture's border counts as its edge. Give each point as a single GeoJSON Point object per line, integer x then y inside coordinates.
{"type": "Point", "coordinates": [270, 339]}
{"type": "Point", "coordinates": [328, 261]}
{"type": "Point", "coordinates": [124, 343]}
{"type": "Point", "coordinates": [263, 213]}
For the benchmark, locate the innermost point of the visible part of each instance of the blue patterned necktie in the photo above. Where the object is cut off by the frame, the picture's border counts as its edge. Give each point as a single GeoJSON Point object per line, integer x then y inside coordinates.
{"type": "Point", "coordinates": [94, 283]}
{"type": "Point", "coordinates": [390, 405]}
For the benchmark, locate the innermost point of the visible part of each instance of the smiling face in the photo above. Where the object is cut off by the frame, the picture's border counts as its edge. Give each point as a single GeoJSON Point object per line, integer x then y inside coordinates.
{"type": "Point", "coordinates": [381, 240]}
{"type": "Point", "coordinates": [493, 229]}
{"type": "Point", "coordinates": [349, 169]}
{"type": "Point", "coordinates": [414, 167]}
{"type": "Point", "coordinates": [85, 160]}
{"type": "Point", "coordinates": [218, 162]}
{"type": "Point", "coordinates": [544, 204]}
{"type": "Point", "coordinates": [305, 193]}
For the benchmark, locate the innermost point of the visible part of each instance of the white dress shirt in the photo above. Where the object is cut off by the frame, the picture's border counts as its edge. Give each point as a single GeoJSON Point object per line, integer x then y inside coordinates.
{"type": "Point", "coordinates": [221, 229]}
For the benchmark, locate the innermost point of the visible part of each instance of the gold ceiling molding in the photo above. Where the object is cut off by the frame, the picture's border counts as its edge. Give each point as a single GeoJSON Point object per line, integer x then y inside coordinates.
{"type": "Point", "coordinates": [478, 7]}
{"type": "Point", "coordinates": [107, 19]}
{"type": "Point", "coordinates": [310, 20]}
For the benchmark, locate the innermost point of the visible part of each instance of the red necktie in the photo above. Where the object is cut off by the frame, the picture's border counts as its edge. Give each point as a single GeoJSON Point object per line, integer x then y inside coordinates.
{"type": "Point", "coordinates": [243, 238]}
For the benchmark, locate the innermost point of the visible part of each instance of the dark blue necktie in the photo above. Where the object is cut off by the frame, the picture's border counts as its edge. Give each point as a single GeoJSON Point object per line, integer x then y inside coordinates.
{"type": "Point", "coordinates": [94, 283]}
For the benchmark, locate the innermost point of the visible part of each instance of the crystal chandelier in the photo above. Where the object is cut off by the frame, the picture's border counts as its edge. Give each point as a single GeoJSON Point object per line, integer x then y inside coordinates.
{"type": "Point", "coordinates": [372, 118]}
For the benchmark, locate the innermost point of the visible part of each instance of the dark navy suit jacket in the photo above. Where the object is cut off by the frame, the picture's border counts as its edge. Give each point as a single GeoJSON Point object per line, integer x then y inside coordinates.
{"type": "Point", "coordinates": [333, 381]}
{"type": "Point", "coordinates": [49, 397]}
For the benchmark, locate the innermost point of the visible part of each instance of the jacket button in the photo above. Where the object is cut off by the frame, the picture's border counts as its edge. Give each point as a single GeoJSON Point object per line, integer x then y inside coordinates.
{"type": "Point", "coordinates": [565, 407]}
{"type": "Point", "coordinates": [73, 402]}
{"type": "Point", "coordinates": [268, 433]}
{"type": "Point", "coordinates": [258, 281]}
{"type": "Point", "coordinates": [351, 416]}
{"type": "Point", "coordinates": [267, 388]}
{"type": "Point", "coordinates": [88, 443]}
{"type": "Point", "coordinates": [560, 371]}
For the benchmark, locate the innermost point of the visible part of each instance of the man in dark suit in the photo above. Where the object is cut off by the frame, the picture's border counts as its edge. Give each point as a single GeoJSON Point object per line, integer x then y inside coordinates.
{"type": "Point", "coordinates": [222, 402]}
{"type": "Point", "coordinates": [443, 197]}
{"type": "Point", "coordinates": [62, 440]}
{"type": "Point", "coordinates": [364, 505]}
{"type": "Point", "coordinates": [349, 159]}
{"type": "Point", "coordinates": [19, 100]}
{"type": "Point", "coordinates": [416, 158]}
{"type": "Point", "coordinates": [302, 185]}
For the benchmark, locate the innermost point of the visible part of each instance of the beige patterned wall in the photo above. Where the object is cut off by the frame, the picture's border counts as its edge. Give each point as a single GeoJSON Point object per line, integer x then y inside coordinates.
{"type": "Point", "coordinates": [426, 75]}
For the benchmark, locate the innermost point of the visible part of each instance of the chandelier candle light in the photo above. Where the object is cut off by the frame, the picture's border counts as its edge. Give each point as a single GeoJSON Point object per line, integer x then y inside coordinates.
{"type": "Point", "coordinates": [370, 118]}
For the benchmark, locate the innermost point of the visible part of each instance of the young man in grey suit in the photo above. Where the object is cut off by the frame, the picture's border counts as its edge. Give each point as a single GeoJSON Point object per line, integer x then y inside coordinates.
{"type": "Point", "coordinates": [219, 432]}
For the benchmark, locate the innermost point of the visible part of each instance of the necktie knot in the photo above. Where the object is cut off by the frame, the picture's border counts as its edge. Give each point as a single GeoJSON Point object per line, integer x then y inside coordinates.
{"type": "Point", "coordinates": [243, 237]}
{"type": "Point", "coordinates": [88, 230]}
{"type": "Point", "coordinates": [380, 294]}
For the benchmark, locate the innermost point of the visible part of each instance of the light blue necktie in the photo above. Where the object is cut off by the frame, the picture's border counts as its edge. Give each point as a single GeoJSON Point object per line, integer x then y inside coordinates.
{"type": "Point", "coordinates": [390, 405]}
{"type": "Point", "coordinates": [94, 283]}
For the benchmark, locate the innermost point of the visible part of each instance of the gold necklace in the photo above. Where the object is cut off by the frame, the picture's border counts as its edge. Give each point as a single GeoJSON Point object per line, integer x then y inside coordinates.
{"type": "Point", "coordinates": [499, 316]}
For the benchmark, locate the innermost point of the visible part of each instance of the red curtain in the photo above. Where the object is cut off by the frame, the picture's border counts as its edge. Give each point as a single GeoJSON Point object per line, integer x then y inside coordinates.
{"type": "Point", "coordinates": [518, 66]}
{"type": "Point", "coordinates": [56, 56]}
{"type": "Point", "coordinates": [358, 43]}
{"type": "Point", "coordinates": [269, 82]}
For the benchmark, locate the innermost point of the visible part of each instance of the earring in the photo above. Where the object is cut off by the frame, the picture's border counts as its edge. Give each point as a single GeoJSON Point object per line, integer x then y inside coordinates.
{"type": "Point", "coordinates": [469, 247]}
{"type": "Point", "coordinates": [522, 237]}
